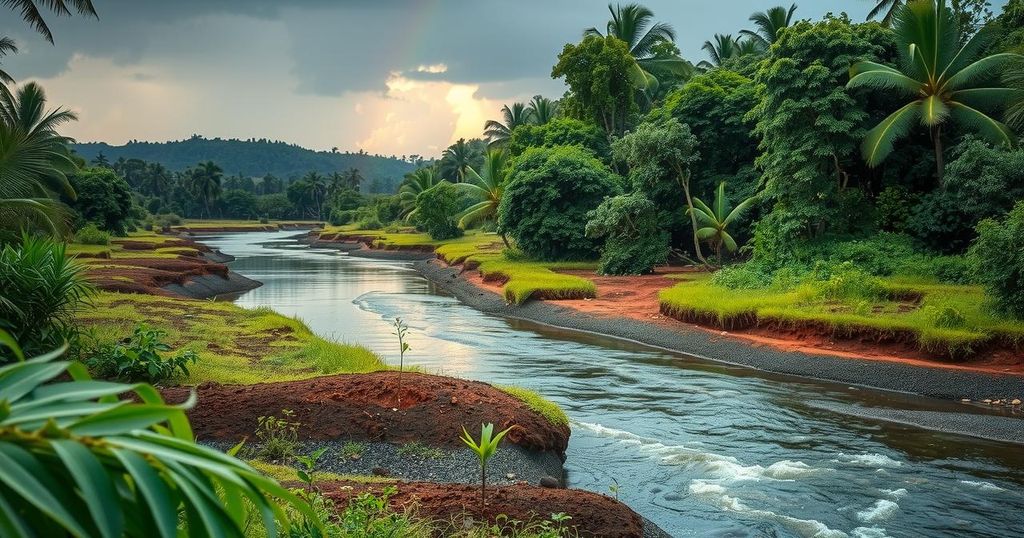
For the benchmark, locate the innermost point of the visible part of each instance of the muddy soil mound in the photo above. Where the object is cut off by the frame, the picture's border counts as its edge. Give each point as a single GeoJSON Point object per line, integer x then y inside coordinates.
{"type": "Point", "coordinates": [592, 514]}
{"type": "Point", "coordinates": [433, 410]}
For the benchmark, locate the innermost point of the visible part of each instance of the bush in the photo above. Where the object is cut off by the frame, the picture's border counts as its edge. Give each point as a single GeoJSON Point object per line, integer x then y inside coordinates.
{"type": "Point", "coordinates": [846, 281]}
{"type": "Point", "coordinates": [40, 290]}
{"type": "Point", "coordinates": [103, 198]}
{"type": "Point", "coordinates": [437, 210]}
{"type": "Point", "coordinates": [91, 235]}
{"type": "Point", "coordinates": [547, 199]}
{"type": "Point", "coordinates": [137, 358]}
{"type": "Point", "coordinates": [999, 251]}
{"type": "Point", "coordinates": [633, 244]}
{"type": "Point", "coordinates": [560, 132]}
{"type": "Point", "coordinates": [278, 436]}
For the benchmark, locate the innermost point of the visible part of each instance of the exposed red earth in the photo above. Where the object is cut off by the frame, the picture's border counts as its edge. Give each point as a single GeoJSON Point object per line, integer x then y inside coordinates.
{"type": "Point", "coordinates": [592, 514]}
{"type": "Point", "coordinates": [433, 410]}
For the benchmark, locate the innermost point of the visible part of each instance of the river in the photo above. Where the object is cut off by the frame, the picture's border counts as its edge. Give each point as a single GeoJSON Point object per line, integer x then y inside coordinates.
{"type": "Point", "coordinates": [700, 448]}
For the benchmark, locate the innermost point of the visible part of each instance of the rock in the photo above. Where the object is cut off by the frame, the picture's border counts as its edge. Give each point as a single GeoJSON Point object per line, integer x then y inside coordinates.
{"type": "Point", "coordinates": [550, 482]}
{"type": "Point", "coordinates": [455, 401]}
{"type": "Point", "coordinates": [1016, 401]}
{"type": "Point", "coordinates": [965, 400]}
{"type": "Point", "coordinates": [986, 400]}
{"type": "Point", "coordinates": [380, 471]}
{"type": "Point", "coordinates": [511, 476]}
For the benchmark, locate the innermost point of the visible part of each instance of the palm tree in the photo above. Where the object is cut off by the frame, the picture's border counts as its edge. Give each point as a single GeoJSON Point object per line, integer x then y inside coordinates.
{"type": "Point", "coordinates": [498, 133]}
{"type": "Point", "coordinates": [457, 158]}
{"type": "Point", "coordinates": [7, 46]}
{"type": "Point", "coordinates": [486, 186]}
{"type": "Point", "coordinates": [156, 181]}
{"type": "Point", "coordinates": [724, 47]}
{"type": "Point", "coordinates": [769, 23]}
{"type": "Point", "coordinates": [353, 179]}
{"type": "Point", "coordinates": [415, 183]}
{"type": "Point", "coordinates": [713, 221]}
{"type": "Point", "coordinates": [632, 23]}
{"type": "Point", "coordinates": [34, 161]}
{"type": "Point", "coordinates": [30, 12]}
{"type": "Point", "coordinates": [317, 192]}
{"type": "Point", "coordinates": [542, 109]}
{"type": "Point", "coordinates": [888, 7]}
{"type": "Point", "coordinates": [945, 81]}
{"type": "Point", "coordinates": [205, 184]}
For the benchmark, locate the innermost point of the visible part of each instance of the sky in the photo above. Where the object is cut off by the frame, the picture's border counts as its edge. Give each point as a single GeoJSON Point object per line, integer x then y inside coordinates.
{"type": "Point", "coordinates": [401, 77]}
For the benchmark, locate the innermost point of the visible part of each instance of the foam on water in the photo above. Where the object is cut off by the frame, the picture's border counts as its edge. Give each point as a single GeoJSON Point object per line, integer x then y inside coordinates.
{"type": "Point", "coordinates": [868, 532]}
{"type": "Point", "coordinates": [982, 486]}
{"type": "Point", "coordinates": [715, 494]}
{"type": "Point", "coordinates": [882, 510]}
{"type": "Point", "coordinates": [869, 460]}
{"type": "Point", "coordinates": [715, 465]}
{"type": "Point", "coordinates": [894, 494]}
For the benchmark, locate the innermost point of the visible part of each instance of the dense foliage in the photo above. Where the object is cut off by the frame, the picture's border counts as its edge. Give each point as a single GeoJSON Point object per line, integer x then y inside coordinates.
{"type": "Point", "coordinates": [602, 76]}
{"type": "Point", "coordinates": [547, 198]}
{"type": "Point", "coordinates": [633, 243]}
{"type": "Point", "coordinates": [437, 210]}
{"type": "Point", "coordinates": [103, 199]}
{"type": "Point", "coordinates": [560, 132]}
{"type": "Point", "coordinates": [1000, 255]}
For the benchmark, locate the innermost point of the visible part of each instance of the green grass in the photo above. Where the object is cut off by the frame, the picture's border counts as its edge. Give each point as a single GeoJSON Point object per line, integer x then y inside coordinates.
{"type": "Point", "coordinates": [235, 345]}
{"type": "Point", "coordinates": [283, 473]}
{"type": "Point", "coordinates": [538, 404]}
{"type": "Point", "coordinates": [945, 319]}
{"type": "Point", "coordinates": [419, 450]}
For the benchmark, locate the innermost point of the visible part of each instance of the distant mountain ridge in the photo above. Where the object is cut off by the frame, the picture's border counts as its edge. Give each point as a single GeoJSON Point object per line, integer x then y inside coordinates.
{"type": "Point", "coordinates": [256, 158]}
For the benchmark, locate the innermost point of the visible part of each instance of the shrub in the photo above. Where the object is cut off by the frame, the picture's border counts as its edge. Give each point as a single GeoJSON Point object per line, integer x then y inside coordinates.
{"type": "Point", "coordinates": [437, 210]}
{"type": "Point", "coordinates": [137, 358]}
{"type": "Point", "coordinates": [278, 437]}
{"type": "Point", "coordinates": [91, 235]}
{"type": "Point", "coordinates": [370, 223]}
{"type": "Point", "coordinates": [40, 290]}
{"type": "Point", "coordinates": [633, 244]}
{"type": "Point", "coordinates": [560, 132]}
{"type": "Point", "coordinates": [341, 217]}
{"type": "Point", "coordinates": [999, 251]}
{"type": "Point", "coordinates": [748, 276]}
{"type": "Point", "coordinates": [846, 281]}
{"type": "Point", "coordinates": [547, 198]}
{"type": "Point", "coordinates": [103, 198]}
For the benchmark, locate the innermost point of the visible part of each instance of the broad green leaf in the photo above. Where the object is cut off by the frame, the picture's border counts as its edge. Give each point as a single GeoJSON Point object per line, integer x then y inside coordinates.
{"type": "Point", "coordinates": [26, 377]}
{"type": "Point", "coordinates": [158, 497]}
{"type": "Point", "coordinates": [122, 419]}
{"type": "Point", "coordinates": [95, 485]}
{"type": "Point", "coordinates": [25, 484]}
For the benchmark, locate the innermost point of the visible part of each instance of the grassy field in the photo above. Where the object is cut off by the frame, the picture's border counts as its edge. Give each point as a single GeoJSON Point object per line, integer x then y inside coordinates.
{"type": "Point", "coordinates": [485, 252]}
{"type": "Point", "coordinates": [235, 345]}
{"type": "Point", "coordinates": [944, 319]}
{"type": "Point", "coordinates": [163, 247]}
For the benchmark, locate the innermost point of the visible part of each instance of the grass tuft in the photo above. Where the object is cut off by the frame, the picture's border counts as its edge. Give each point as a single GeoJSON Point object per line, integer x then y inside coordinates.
{"type": "Point", "coordinates": [538, 404]}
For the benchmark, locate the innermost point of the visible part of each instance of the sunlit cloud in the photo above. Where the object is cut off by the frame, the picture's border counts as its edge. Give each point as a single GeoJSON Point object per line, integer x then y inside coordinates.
{"type": "Point", "coordinates": [432, 69]}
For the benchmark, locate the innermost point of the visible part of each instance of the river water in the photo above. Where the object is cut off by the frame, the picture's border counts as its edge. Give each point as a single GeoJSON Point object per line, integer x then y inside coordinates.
{"type": "Point", "coordinates": [700, 448]}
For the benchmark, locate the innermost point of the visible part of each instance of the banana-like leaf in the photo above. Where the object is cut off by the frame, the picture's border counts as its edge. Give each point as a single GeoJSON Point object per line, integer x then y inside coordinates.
{"type": "Point", "coordinates": [879, 141]}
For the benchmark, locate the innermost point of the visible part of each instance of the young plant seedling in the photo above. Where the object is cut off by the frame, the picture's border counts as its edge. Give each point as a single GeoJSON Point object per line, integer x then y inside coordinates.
{"type": "Point", "coordinates": [400, 331]}
{"type": "Point", "coordinates": [308, 464]}
{"type": "Point", "coordinates": [486, 448]}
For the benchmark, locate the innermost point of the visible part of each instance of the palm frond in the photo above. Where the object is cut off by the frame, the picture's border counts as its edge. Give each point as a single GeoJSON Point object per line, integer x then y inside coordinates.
{"type": "Point", "coordinates": [879, 141]}
{"type": "Point", "coordinates": [989, 128]}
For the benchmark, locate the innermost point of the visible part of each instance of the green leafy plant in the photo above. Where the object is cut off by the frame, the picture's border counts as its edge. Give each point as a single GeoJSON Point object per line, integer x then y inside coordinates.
{"type": "Point", "coordinates": [401, 330]}
{"type": "Point", "coordinates": [308, 466]}
{"type": "Point", "coordinates": [278, 436]}
{"type": "Point", "coordinates": [713, 221]}
{"type": "Point", "coordinates": [77, 460]}
{"type": "Point", "coordinates": [614, 488]}
{"type": "Point", "coordinates": [999, 252]}
{"type": "Point", "coordinates": [40, 290]}
{"type": "Point", "coordinates": [137, 358]}
{"type": "Point", "coordinates": [484, 450]}
{"type": "Point", "coordinates": [416, 449]}
{"type": "Point", "coordinates": [90, 234]}
{"type": "Point", "coordinates": [352, 450]}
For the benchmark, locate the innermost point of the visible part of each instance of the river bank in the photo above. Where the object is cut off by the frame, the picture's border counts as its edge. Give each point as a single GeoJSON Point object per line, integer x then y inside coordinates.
{"type": "Point", "coordinates": [926, 381]}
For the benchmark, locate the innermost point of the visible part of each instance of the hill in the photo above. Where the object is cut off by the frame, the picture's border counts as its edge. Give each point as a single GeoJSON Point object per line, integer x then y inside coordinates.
{"type": "Point", "coordinates": [256, 158]}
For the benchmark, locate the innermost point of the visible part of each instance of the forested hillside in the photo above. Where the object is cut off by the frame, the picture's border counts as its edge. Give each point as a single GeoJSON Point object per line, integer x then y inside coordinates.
{"type": "Point", "coordinates": [256, 158]}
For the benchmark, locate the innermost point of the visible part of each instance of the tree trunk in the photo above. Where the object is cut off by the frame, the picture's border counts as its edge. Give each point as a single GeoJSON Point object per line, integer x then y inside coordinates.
{"type": "Point", "coordinates": [684, 179]}
{"type": "Point", "coordinates": [940, 161]}
{"type": "Point", "coordinates": [505, 240]}
{"type": "Point", "coordinates": [483, 485]}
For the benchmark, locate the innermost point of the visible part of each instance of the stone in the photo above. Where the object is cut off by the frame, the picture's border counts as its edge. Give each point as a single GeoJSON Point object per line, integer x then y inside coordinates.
{"type": "Point", "coordinates": [1016, 401]}
{"type": "Point", "coordinates": [965, 400]}
{"type": "Point", "coordinates": [380, 471]}
{"type": "Point", "coordinates": [511, 476]}
{"type": "Point", "coordinates": [550, 482]}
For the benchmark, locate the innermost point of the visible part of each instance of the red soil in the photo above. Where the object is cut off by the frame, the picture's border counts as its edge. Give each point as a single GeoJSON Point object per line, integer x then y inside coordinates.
{"type": "Point", "coordinates": [149, 275]}
{"type": "Point", "coordinates": [636, 297]}
{"type": "Point", "coordinates": [593, 515]}
{"type": "Point", "coordinates": [360, 407]}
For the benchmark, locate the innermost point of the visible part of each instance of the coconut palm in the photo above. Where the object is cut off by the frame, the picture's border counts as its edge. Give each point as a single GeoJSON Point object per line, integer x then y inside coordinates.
{"type": "Point", "coordinates": [724, 47]}
{"type": "Point", "coordinates": [7, 46]}
{"type": "Point", "coordinates": [34, 161]}
{"type": "Point", "coordinates": [944, 81]}
{"type": "Point", "coordinates": [541, 109]}
{"type": "Point", "coordinates": [30, 11]}
{"type": "Point", "coordinates": [886, 8]}
{"type": "Point", "coordinates": [633, 24]}
{"type": "Point", "coordinates": [205, 183]}
{"type": "Point", "coordinates": [769, 23]}
{"type": "Point", "coordinates": [714, 221]}
{"type": "Point", "coordinates": [458, 157]}
{"type": "Point", "coordinates": [485, 186]}
{"type": "Point", "coordinates": [415, 183]}
{"type": "Point", "coordinates": [498, 132]}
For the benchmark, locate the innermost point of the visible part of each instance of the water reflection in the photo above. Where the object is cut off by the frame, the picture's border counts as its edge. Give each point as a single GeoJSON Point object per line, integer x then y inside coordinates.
{"type": "Point", "coordinates": [700, 448]}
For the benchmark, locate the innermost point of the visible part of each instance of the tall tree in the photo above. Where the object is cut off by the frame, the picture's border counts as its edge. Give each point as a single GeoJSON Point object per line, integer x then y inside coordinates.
{"type": "Point", "coordinates": [34, 160]}
{"type": "Point", "coordinates": [945, 82]}
{"type": "Point", "coordinates": [7, 47]}
{"type": "Point", "coordinates": [31, 14]}
{"type": "Point", "coordinates": [542, 109]}
{"type": "Point", "coordinates": [600, 73]}
{"type": "Point", "coordinates": [634, 24]}
{"type": "Point", "coordinates": [498, 132]}
{"type": "Point", "coordinates": [458, 157]}
{"type": "Point", "coordinates": [724, 47]}
{"type": "Point", "coordinates": [970, 15]}
{"type": "Point", "coordinates": [204, 182]}
{"type": "Point", "coordinates": [769, 23]}
{"type": "Point", "coordinates": [486, 186]}
{"type": "Point", "coordinates": [415, 183]}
